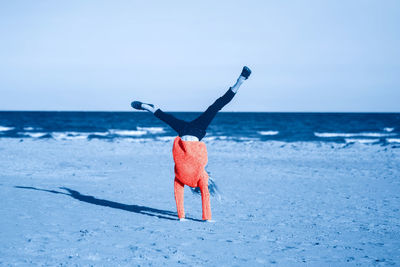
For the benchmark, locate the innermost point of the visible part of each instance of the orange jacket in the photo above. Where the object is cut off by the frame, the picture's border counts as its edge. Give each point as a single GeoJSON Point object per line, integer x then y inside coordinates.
{"type": "Point", "coordinates": [190, 160]}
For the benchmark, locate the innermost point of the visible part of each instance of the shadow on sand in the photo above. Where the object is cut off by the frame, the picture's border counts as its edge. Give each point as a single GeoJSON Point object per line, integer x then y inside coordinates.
{"type": "Point", "coordinates": [162, 214]}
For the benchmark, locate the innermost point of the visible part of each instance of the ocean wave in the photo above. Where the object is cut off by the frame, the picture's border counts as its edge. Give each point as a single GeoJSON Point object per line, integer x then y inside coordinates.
{"type": "Point", "coordinates": [99, 133]}
{"type": "Point", "coordinates": [393, 140]}
{"type": "Point", "coordinates": [362, 141]}
{"type": "Point", "coordinates": [388, 129]}
{"type": "Point", "coordinates": [268, 132]}
{"type": "Point", "coordinates": [209, 138]}
{"type": "Point", "coordinates": [5, 129]}
{"type": "Point", "coordinates": [165, 138]}
{"type": "Point", "coordinates": [152, 130]}
{"type": "Point", "coordinates": [73, 135]}
{"type": "Point", "coordinates": [230, 138]}
{"type": "Point", "coordinates": [330, 135]}
{"type": "Point", "coordinates": [248, 139]}
{"type": "Point", "coordinates": [34, 135]}
{"type": "Point", "coordinates": [219, 137]}
{"type": "Point", "coordinates": [128, 132]}
{"type": "Point", "coordinates": [69, 135]}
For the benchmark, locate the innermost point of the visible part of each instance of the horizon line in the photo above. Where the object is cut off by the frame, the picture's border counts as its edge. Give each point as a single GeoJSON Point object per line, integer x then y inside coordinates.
{"type": "Point", "coordinates": [182, 111]}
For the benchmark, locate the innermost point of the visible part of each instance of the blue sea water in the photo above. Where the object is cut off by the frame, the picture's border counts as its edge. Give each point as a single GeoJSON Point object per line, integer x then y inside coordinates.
{"type": "Point", "coordinates": [371, 128]}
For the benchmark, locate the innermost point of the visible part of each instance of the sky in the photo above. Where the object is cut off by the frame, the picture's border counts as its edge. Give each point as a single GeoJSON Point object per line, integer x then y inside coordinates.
{"type": "Point", "coordinates": [306, 56]}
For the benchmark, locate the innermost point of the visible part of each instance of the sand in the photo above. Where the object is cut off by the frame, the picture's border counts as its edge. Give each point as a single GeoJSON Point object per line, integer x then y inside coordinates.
{"type": "Point", "coordinates": [102, 203]}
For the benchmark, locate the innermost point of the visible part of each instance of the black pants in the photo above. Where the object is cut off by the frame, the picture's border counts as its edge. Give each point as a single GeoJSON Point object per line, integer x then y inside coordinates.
{"type": "Point", "coordinates": [196, 127]}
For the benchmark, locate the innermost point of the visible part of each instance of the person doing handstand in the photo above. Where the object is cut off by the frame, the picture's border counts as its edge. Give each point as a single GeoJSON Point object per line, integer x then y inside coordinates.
{"type": "Point", "coordinates": [189, 153]}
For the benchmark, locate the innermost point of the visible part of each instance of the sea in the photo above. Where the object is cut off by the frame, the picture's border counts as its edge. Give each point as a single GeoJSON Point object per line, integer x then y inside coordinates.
{"type": "Point", "coordinates": [366, 128]}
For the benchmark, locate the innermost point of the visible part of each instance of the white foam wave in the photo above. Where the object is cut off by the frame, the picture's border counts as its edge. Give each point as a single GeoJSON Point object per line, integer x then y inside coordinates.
{"type": "Point", "coordinates": [34, 135]}
{"type": "Point", "coordinates": [388, 129]}
{"type": "Point", "coordinates": [84, 135]}
{"type": "Point", "coordinates": [362, 141]}
{"type": "Point", "coordinates": [29, 128]}
{"type": "Point", "coordinates": [329, 135]}
{"type": "Point", "coordinates": [152, 130]}
{"type": "Point", "coordinates": [209, 138]}
{"type": "Point", "coordinates": [219, 137]}
{"type": "Point", "coordinates": [99, 133]}
{"type": "Point", "coordinates": [268, 132]}
{"type": "Point", "coordinates": [165, 138]}
{"type": "Point", "coordinates": [128, 132]}
{"type": "Point", "coordinates": [248, 139]}
{"type": "Point", "coordinates": [4, 128]}
{"type": "Point", "coordinates": [69, 135]}
{"type": "Point", "coordinates": [393, 140]}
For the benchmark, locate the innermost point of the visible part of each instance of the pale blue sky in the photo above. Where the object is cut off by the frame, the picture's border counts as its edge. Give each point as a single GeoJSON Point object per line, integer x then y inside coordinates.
{"type": "Point", "coordinates": [101, 55]}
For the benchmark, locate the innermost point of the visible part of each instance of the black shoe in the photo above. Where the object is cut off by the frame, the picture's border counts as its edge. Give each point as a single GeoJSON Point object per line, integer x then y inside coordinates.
{"type": "Point", "coordinates": [138, 105]}
{"type": "Point", "coordinates": [245, 72]}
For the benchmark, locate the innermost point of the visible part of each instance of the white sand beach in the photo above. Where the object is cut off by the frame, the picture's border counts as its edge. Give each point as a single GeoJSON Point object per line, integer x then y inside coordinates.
{"type": "Point", "coordinates": [103, 203]}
